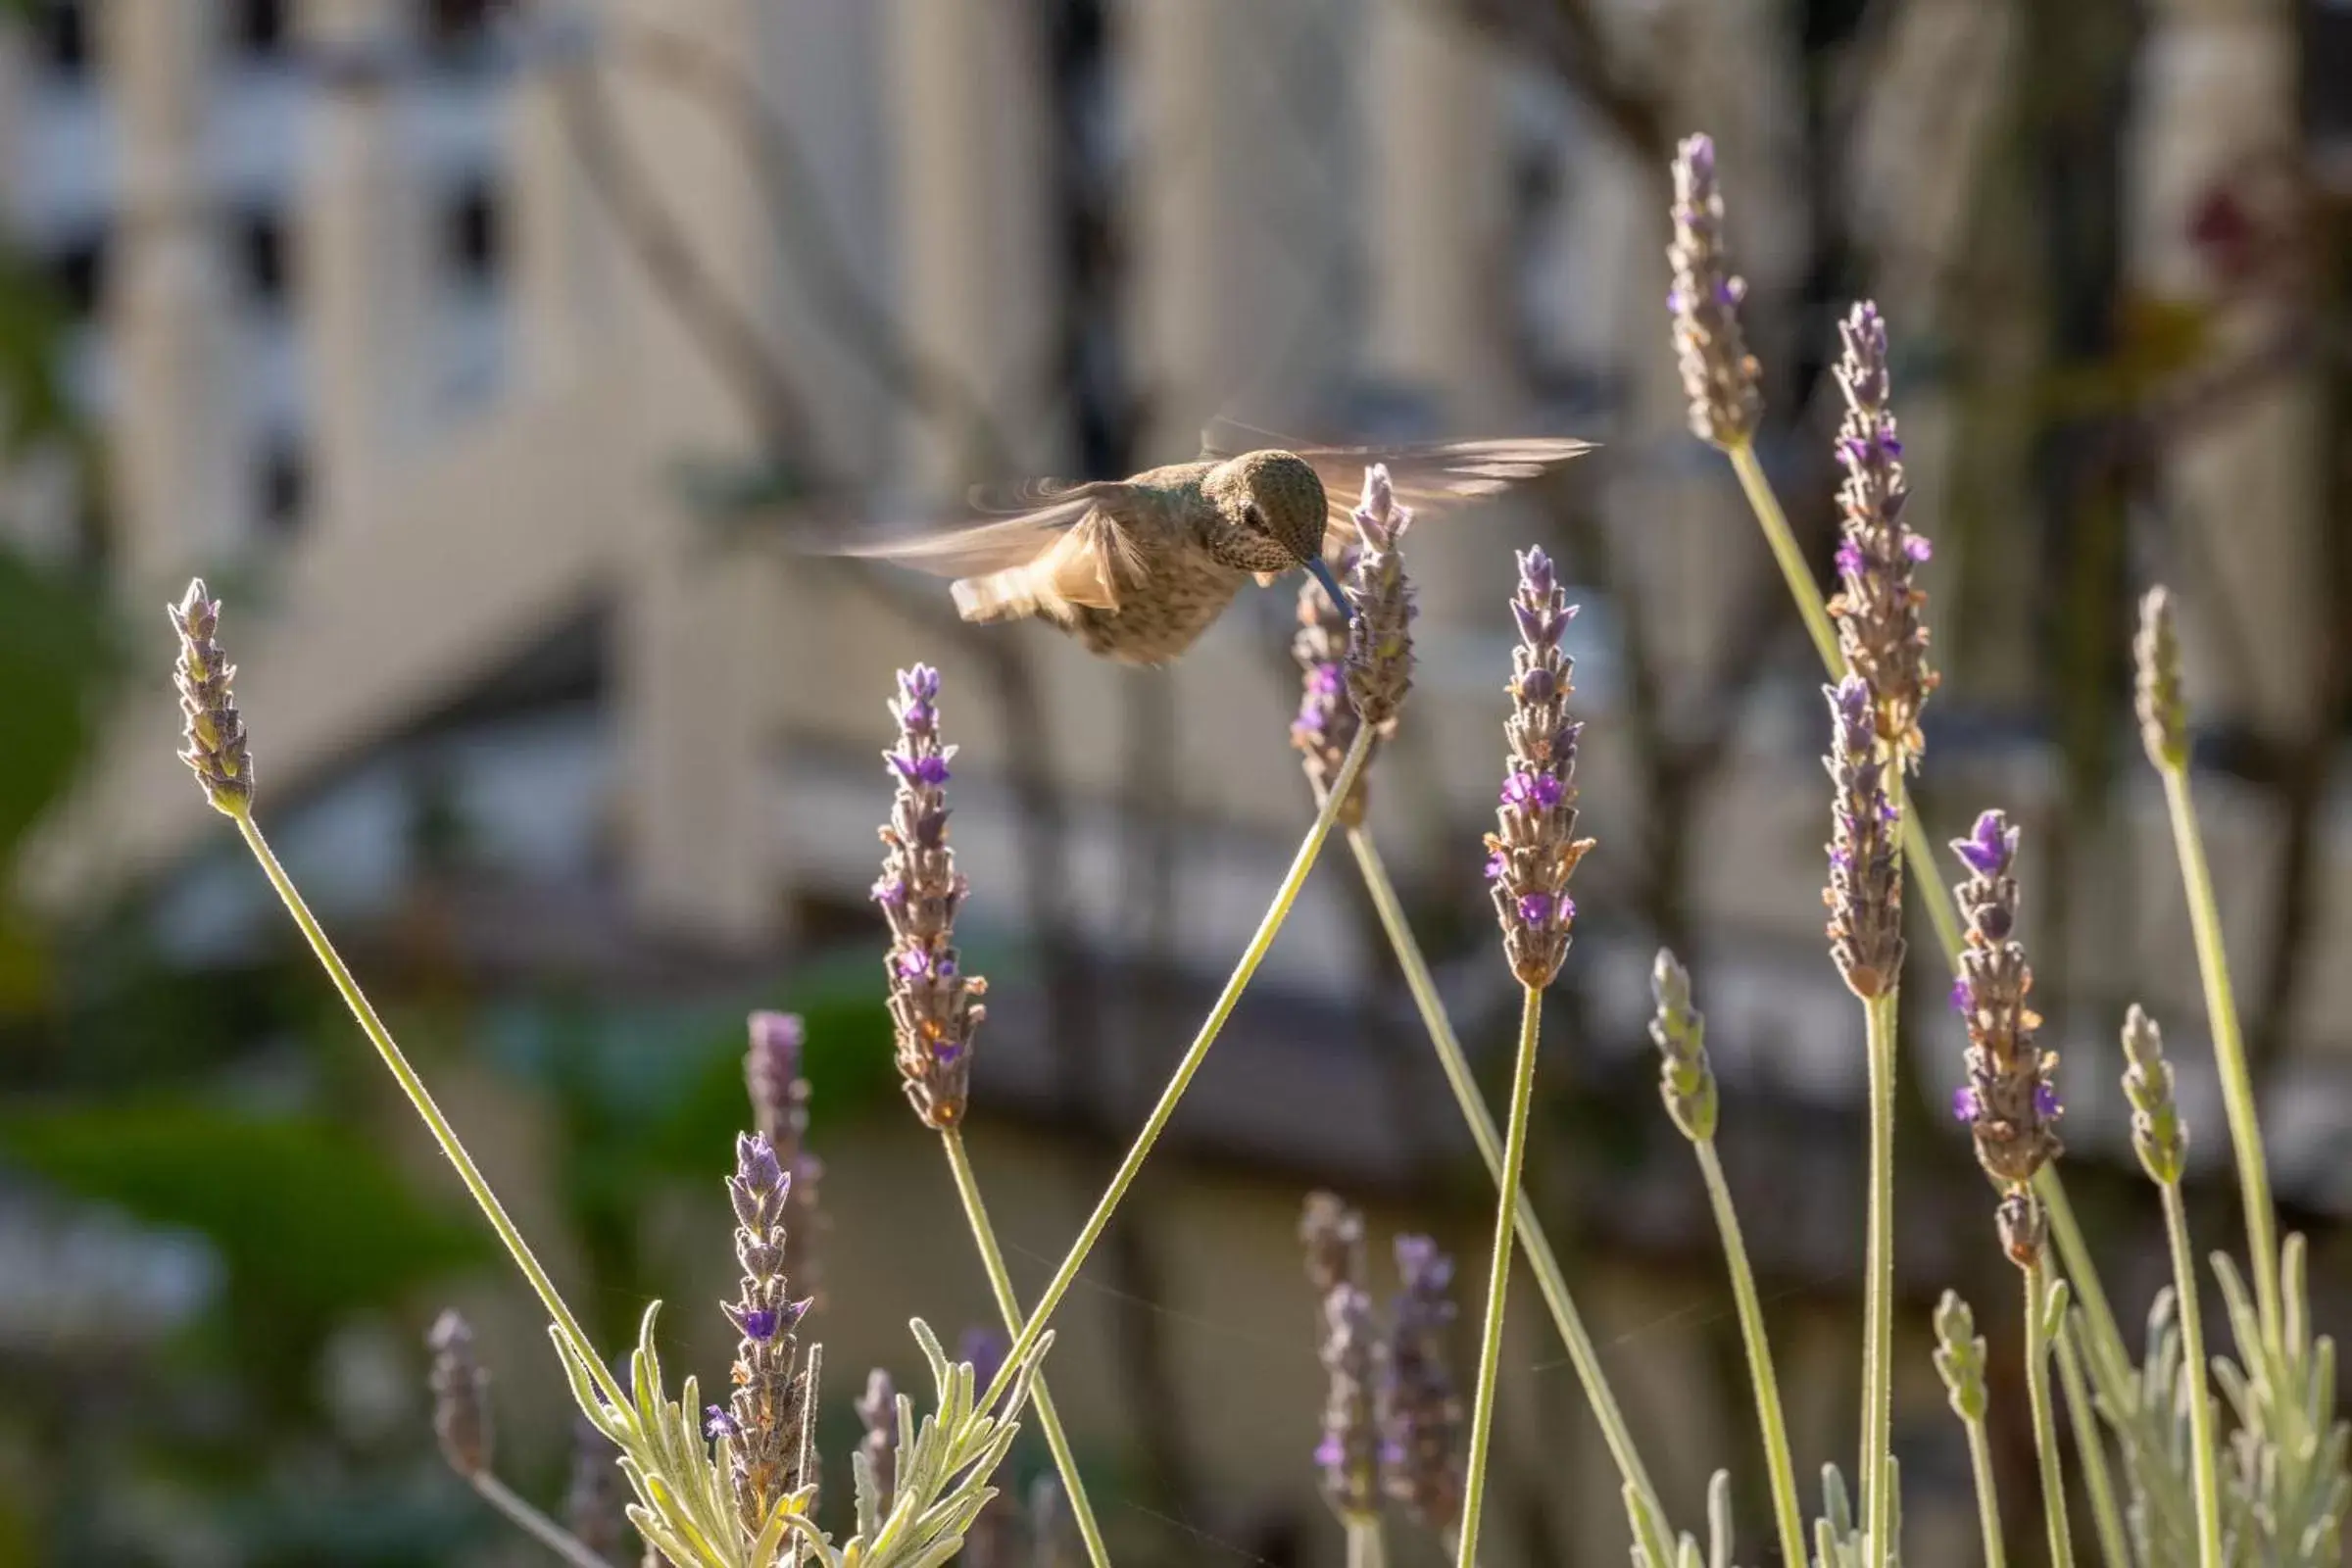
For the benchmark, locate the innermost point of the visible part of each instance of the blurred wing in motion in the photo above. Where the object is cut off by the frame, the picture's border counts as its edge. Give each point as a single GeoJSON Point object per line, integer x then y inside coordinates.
{"type": "Point", "coordinates": [1044, 561]}
{"type": "Point", "coordinates": [1428, 476]}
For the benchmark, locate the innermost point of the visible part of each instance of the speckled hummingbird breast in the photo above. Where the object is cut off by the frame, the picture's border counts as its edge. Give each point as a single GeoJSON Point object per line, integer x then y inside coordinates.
{"type": "Point", "coordinates": [1162, 612]}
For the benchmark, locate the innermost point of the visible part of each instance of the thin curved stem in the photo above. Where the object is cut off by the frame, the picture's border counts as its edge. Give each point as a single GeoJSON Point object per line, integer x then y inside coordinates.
{"type": "Point", "coordinates": [1935, 894]}
{"type": "Point", "coordinates": [999, 1282]}
{"type": "Point", "coordinates": [2115, 1543]}
{"type": "Point", "coordinates": [1195, 1055]}
{"type": "Point", "coordinates": [2192, 1367]}
{"type": "Point", "coordinates": [2045, 1427]}
{"type": "Point", "coordinates": [1989, 1497]}
{"type": "Point", "coordinates": [1367, 1544]}
{"type": "Point", "coordinates": [418, 1096]}
{"type": "Point", "coordinates": [1498, 1274]}
{"type": "Point", "coordinates": [1877, 1372]}
{"type": "Point", "coordinates": [531, 1522]}
{"type": "Point", "coordinates": [1532, 1241]}
{"type": "Point", "coordinates": [1787, 1513]}
{"type": "Point", "coordinates": [2229, 1051]}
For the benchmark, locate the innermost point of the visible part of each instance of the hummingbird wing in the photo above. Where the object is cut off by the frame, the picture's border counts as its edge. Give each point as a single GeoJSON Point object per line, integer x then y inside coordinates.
{"type": "Point", "coordinates": [1428, 476]}
{"type": "Point", "coordinates": [1044, 560]}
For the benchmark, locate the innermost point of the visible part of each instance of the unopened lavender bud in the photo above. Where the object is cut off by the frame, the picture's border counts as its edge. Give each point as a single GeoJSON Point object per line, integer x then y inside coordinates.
{"type": "Point", "coordinates": [1332, 1235]}
{"type": "Point", "coordinates": [460, 1396]}
{"type": "Point", "coordinates": [1960, 1356]}
{"type": "Point", "coordinates": [1529, 860]}
{"type": "Point", "coordinates": [2158, 1133]}
{"type": "Point", "coordinates": [2156, 690]}
{"type": "Point", "coordinates": [1686, 1080]}
{"type": "Point", "coordinates": [2022, 1225]}
{"type": "Point", "coordinates": [1720, 377]}
{"type": "Point", "coordinates": [1421, 1407]}
{"type": "Point", "coordinates": [1865, 891]}
{"type": "Point", "coordinates": [935, 1008]}
{"type": "Point", "coordinates": [878, 1409]}
{"type": "Point", "coordinates": [1880, 625]}
{"type": "Point", "coordinates": [1327, 723]}
{"type": "Point", "coordinates": [1380, 651]}
{"type": "Point", "coordinates": [216, 751]}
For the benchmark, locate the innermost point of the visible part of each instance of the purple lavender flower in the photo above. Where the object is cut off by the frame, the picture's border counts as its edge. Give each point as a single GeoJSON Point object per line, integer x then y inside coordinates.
{"type": "Point", "coordinates": [769, 1413]}
{"type": "Point", "coordinates": [218, 751]}
{"type": "Point", "coordinates": [1380, 649]}
{"type": "Point", "coordinates": [460, 1395]}
{"type": "Point", "coordinates": [1347, 1453]}
{"type": "Point", "coordinates": [1535, 853]}
{"type": "Point", "coordinates": [1965, 1105]}
{"type": "Point", "coordinates": [1720, 377]}
{"type": "Point", "coordinates": [779, 1094]}
{"type": "Point", "coordinates": [934, 1007]}
{"type": "Point", "coordinates": [2013, 1104]}
{"type": "Point", "coordinates": [878, 1448]}
{"type": "Point", "coordinates": [1876, 608]}
{"type": "Point", "coordinates": [1865, 892]}
{"type": "Point", "coordinates": [1327, 723]}
{"type": "Point", "coordinates": [1420, 1406]}
{"type": "Point", "coordinates": [718, 1422]}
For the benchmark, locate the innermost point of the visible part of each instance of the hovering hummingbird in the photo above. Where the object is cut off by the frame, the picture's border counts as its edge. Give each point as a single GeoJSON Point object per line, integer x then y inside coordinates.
{"type": "Point", "coordinates": [1137, 569]}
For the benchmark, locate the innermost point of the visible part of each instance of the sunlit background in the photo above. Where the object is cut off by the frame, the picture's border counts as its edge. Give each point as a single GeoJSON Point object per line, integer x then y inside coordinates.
{"type": "Point", "coordinates": [486, 358]}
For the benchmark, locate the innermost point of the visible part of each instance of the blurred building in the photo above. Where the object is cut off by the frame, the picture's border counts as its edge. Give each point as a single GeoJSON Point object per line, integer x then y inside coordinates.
{"type": "Point", "coordinates": [430, 340]}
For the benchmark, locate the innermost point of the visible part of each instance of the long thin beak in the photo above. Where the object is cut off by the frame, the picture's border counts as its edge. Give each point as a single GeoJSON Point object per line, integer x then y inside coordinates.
{"type": "Point", "coordinates": [1331, 585]}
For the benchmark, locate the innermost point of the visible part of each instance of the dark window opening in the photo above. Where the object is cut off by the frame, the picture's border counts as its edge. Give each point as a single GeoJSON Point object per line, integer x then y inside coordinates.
{"type": "Point", "coordinates": [262, 28]}
{"type": "Point", "coordinates": [262, 255]}
{"type": "Point", "coordinates": [471, 239]}
{"type": "Point", "coordinates": [283, 478]}
{"type": "Point", "coordinates": [458, 33]}
{"type": "Point", "coordinates": [77, 268]}
{"type": "Point", "coordinates": [62, 35]}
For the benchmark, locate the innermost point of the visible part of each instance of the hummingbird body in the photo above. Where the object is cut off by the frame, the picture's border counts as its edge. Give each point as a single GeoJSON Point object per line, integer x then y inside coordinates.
{"type": "Point", "coordinates": [1138, 568]}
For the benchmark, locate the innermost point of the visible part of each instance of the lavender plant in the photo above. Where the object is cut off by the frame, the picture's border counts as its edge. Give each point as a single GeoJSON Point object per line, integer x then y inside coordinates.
{"type": "Point", "coordinates": [1349, 1455]}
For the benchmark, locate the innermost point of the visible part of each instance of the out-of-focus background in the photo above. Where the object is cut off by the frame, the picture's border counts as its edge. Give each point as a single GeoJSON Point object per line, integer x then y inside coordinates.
{"type": "Point", "coordinates": [484, 357]}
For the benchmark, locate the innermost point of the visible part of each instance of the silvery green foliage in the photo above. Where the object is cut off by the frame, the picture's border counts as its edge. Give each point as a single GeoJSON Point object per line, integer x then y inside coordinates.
{"type": "Point", "coordinates": [2288, 1455]}
{"type": "Point", "coordinates": [685, 1508]}
{"type": "Point", "coordinates": [1648, 1528]}
{"type": "Point", "coordinates": [1838, 1538]}
{"type": "Point", "coordinates": [2147, 1409]}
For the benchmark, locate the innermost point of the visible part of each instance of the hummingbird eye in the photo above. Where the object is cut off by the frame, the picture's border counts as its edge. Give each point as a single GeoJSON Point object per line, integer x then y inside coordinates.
{"type": "Point", "coordinates": [1253, 517]}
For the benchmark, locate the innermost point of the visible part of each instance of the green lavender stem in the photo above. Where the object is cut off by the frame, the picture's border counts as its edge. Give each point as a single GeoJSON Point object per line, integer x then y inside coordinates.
{"type": "Point", "coordinates": [1181, 1079]}
{"type": "Point", "coordinates": [1989, 1497]}
{"type": "Point", "coordinates": [1498, 1274]}
{"type": "Point", "coordinates": [2192, 1367]}
{"type": "Point", "coordinates": [2045, 1428]}
{"type": "Point", "coordinates": [2229, 1056]}
{"type": "Point", "coordinates": [443, 1133]}
{"type": "Point", "coordinates": [1532, 1241]}
{"type": "Point", "coordinates": [999, 1282]}
{"type": "Point", "coordinates": [1367, 1544]}
{"type": "Point", "coordinates": [1878, 1371]}
{"type": "Point", "coordinates": [1786, 1511]}
{"type": "Point", "coordinates": [531, 1522]}
{"type": "Point", "coordinates": [1921, 854]}
{"type": "Point", "coordinates": [2115, 1546]}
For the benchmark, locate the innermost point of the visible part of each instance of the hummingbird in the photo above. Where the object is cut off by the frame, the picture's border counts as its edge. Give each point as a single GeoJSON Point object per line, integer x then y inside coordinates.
{"type": "Point", "coordinates": [1138, 568]}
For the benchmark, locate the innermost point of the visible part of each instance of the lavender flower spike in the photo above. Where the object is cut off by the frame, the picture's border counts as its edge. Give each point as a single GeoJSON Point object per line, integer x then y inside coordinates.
{"type": "Point", "coordinates": [2158, 1133]}
{"type": "Point", "coordinates": [934, 1004]}
{"type": "Point", "coordinates": [2011, 1104]}
{"type": "Point", "coordinates": [1380, 654]}
{"type": "Point", "coordinates": [1421, 1409]}
{"type": "Point", "coordinates": [1530, 858]}
{"type": "Point", "coordinates": [594, 1504]}
{"type": "Point", "coordinates": [763, 1437]}
{"type": "Point", "coordinates": [1720, 376]}
{"type": "Point", "coordinates": [1880, 627]}
{"type": "Point", "coordinates": [1865, 892]}
{"type": "Point", "coordinates": [2156, 689]}
{"type": "Point", "coordinates": [1349, 1454]}
{"type": "Point", "coordinates": [460, 1396]}
{"type": "Point", "coordinates": [779, 1095]}
{"type": "Point", "coordinates": [1686, 1080]}
{"type": "Point", "coordinates": [218, 752]}
{"type": "Point", "coordinates": [878, 1409]}
{"type": "Point", "coordinates": [1327, 723]}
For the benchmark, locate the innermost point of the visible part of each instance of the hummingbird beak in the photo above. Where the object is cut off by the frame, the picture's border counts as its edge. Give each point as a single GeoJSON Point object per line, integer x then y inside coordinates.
{"type": "Point", "coordinates": [1331, 585]}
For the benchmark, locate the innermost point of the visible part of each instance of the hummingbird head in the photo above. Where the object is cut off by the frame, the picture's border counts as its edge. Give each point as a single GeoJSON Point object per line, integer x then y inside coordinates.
{"type": "Point", "coordinates": [1271, 512]}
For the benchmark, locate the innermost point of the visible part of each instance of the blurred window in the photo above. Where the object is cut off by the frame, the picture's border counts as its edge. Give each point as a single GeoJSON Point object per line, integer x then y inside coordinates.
{"type": "Point", "coordinates": [62, 35]}
{"type": "Point", "coordinates": [471, 232]}
{"type": "Point", "coordinates": [77, 267]}
{"type": "Point", "coordinates": [281, 484]}
{"type": "Point", "coordinates": [262, 28]}
{"type": "Point", "coordinates": [261, 240]}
